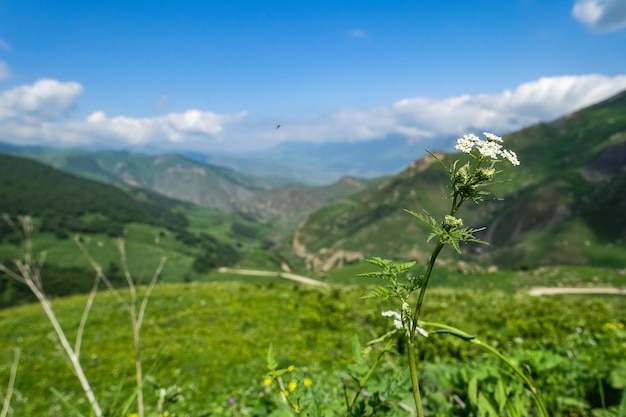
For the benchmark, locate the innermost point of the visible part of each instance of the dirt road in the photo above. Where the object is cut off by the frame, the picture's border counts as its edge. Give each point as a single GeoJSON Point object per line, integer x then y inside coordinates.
{"type": "Point", "coordinates": [575, 290]}
{"type": "Point", "coordinates": [286, 275]}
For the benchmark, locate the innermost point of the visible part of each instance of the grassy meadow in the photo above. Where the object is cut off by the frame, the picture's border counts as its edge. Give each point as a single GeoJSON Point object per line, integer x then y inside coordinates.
{"type": "Point", "coordinates": [206, 342]}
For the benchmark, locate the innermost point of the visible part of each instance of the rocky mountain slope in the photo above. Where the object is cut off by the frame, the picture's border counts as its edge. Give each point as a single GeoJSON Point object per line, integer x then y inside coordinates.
{"type": "Point", "coordinates": [563, 205]}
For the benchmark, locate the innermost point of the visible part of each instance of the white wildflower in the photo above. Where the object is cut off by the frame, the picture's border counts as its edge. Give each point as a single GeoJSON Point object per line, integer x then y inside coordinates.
{"type": "Point", "coordinates": [421, 331]}
{"type": "Point", "coordinates": [489, 149]}
{"type": "Point", "coordinates": [407, 323]}
{"type": "Point", "coordinates": [397, 320]}
{"type": "Point", "coordinates": [510, 156]}
{"type": "Point", "coordinates": [467, 142]}
{"type": "Point", "coordinates": [492, 137]}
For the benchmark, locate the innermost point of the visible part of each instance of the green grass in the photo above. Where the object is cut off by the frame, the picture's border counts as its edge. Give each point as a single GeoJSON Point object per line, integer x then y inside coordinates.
{"type": "Point", "coordinates": [510, 281]}
{"type": "Point", "coordinates": [145, 245]}
{"type": "Point", "coordinates": [211, 339]}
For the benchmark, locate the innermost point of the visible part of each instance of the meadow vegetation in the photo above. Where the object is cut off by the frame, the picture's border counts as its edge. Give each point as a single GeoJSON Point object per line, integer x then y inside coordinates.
{"type": "Point", "coordinates": [265, 347]}
{"type": "Point", "coordinates": [207, 343]}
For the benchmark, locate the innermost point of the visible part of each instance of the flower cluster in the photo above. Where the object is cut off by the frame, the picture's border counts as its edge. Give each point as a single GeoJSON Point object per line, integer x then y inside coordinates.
{"type": "Point", "coordinates": [451, 222]}
{"type": "Point", "coordinates": [403, 320]}
{"type": "Point", "coordinates": [490, 148]}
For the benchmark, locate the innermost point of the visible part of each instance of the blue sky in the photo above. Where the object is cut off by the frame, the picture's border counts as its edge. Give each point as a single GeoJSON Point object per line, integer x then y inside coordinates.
{"type": "Point", "coordinates": [207, 75]}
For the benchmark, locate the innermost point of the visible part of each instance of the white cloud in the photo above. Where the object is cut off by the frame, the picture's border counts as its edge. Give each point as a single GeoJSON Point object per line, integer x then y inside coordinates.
{"type": "Point", "coordinates": [44, 100]}
{"type": "Point", "coordinates": [4, 71]}
{"type": "Point", "coordinates": [191, 128]}
{"type": "Point", "coordinates": [603, 15]}
{"type": "Point", "coordinates": [32, 114]}
{"type": "Point", "coordinates": [424, 117]}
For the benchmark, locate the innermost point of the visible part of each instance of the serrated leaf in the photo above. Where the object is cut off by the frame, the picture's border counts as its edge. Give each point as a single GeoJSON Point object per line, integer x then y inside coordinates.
{"type": "Point", "coordinates": [406, 266]}
{"type": "Point", "coordinates": [378, 261]}
{"type": "Point", "coordinates": [375, 274]}
{"type": "Point", "coordinates": [270, 359]}
{"type": "Point", "coordinates": [378, 292]}
{"type": "Point", "coordinates": [427, 219]}
{"type": "Point", "coordinates": [415, 282]}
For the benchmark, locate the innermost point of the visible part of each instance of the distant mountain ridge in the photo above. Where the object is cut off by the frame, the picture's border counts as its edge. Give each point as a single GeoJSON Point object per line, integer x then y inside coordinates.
{"type": "Point", "coordinates": [175, 176]}
{"type": "Point", "coordinates": [563, 205]}
{"type": "Point", "coordinates": [171, 175]}
{"type": "Point", "coordinates": [61, 201]}
{"type": "Point", "coordinates": [325, 163]}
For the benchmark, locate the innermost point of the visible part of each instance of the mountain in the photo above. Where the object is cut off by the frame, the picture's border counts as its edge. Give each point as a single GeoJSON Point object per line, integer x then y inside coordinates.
{"type": "Point", "coordinates": [270, 200]}
{"type": "Point", "coordinates": [325, 163]}
{"type": "Point", "coordinates": [194, 240]}
{"type": "Point", "coordinates": [171, 175]}
{"type": "Point", "coordinates": [289, 204]}
{"type": "Point", "coordinates": [563, 205]}
{"type": "Point", "coordinates": [30, 188]}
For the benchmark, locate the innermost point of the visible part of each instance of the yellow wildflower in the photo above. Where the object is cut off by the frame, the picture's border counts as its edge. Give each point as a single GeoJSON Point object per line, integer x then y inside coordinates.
{"type": "Point", "coordinates": [291, 368]}
{"type": "Point", "coordinates": [292, 386]}
{"type": "Point", "coordinates": [608, 327]}
{"type": "Point", "coordinates": [267, 382]}
{"type": "Point", "coordinates": [308, 382]}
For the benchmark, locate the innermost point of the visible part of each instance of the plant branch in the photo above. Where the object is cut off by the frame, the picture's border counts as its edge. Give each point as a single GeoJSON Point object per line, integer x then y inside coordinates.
{"type": "Point", "coordinates": [86, 311]}
{"type": "Point", "coordinates": [364, 380]}
{"type": "Point", "coordinates": [30, 274]}
{"type": "Point", "coordinates": [7, 399]}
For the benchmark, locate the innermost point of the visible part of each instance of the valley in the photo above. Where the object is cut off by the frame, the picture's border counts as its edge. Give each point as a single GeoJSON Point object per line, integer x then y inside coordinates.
{"type": "Point", "coordinates": [561, 206]}
{"type": "Point", "coordinates": [257, 261]}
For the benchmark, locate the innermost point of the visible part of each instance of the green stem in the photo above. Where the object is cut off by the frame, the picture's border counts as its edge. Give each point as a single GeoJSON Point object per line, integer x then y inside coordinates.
{"type": "Point", "coordinates": [412, 357]}
{"type": "Point", "coordinates": [414, 382]}
{"type": "Point", "coordinates": [429, 270]}
{"type": "Point", "coordinates": [531, 386]}
{"type": "Point", "coordinates": [365, 379]}
{"type": "Point", "coordinates": [472, 339]}
{"type": "Point", "coordinates": [601, 388]}
{"type": "Point", "coordinates": [457, 201]}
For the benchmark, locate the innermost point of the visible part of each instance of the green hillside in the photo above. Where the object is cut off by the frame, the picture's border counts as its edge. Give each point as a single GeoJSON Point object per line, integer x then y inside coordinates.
{"type": "Point", "coordinates": [561, 206]}
{"type": "Point", "coordinates": [65, 203]}
{"type": "Point", "coordinates": [195, 240]}
{"type": "Point", "coordinates": [170, 175]}
{"type": "Point", "coordinates": [266, 199]}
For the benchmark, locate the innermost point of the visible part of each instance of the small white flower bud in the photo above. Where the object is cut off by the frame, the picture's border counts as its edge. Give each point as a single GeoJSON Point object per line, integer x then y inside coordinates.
{"type": "Point", "coordinates": [452, 221]}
